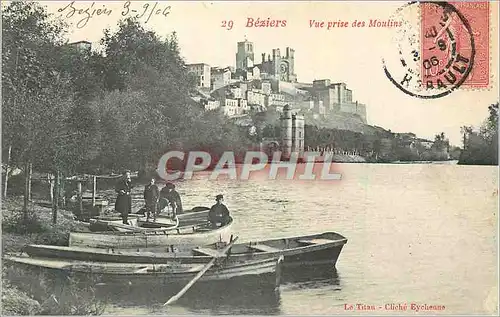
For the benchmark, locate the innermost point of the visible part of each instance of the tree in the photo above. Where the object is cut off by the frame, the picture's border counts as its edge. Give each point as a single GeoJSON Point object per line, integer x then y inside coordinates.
{"type": "Point", "coordinates": [153, 112]}
{"type": "Point", "coordinates": [441, 143]}
{"type": "Point", "coordinates": [481, 147]}
{"type": "Point", "coordinates": [34, 90]}
{"type": "Point", "coordinates": [466, 132]}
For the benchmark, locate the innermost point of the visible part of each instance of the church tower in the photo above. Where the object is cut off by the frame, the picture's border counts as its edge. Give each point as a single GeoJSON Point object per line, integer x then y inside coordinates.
{"type": "Point", "coordinates": [276, 62]}
{"type": "Point", "coordinates": [245, 55]}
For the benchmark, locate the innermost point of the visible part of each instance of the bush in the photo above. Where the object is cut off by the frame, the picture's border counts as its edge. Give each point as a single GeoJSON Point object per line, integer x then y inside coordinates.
{"type": "Point", "coordinates": [15, 222]}
{"type": "Point", "coordinates": [37, 224]}
{"type": "Point", "coordinates": [16, 302]}
{"type": "Point", "coordinates": [52, 293]}
{"type": "Point", "coordinates": [38, 228]}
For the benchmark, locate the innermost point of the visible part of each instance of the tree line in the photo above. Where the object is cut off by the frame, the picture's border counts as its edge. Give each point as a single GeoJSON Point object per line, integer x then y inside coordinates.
{"type": "Point", "coordinates": [378, 146]}
{"type": "Point", "coordinates": [480, 147]}
{"type": "Point", "coordinates": [67, 111]}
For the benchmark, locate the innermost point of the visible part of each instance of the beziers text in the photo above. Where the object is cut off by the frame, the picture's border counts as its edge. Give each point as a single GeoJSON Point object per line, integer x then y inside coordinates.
{"type": "Point", "coordinates": [265, 23]}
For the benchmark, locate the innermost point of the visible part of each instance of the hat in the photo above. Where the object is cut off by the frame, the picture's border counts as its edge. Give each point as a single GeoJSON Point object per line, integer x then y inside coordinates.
{"type": "Point", "coordinates": [219, 197]}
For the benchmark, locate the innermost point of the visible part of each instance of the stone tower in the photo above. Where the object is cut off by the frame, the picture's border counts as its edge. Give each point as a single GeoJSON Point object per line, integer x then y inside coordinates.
{"type": "Point", "coordinates": [286, 132]}
{"type": "Point", "coordinates": [276, 61]}
{"type": "Point", "coordinates": [244, 54]}
{"type": "Point", "coordinates": [290, 57]}
{"type": "Point", "coordinates": [297, 133]}
{"type": "Point", "coordinates": [292, 133]}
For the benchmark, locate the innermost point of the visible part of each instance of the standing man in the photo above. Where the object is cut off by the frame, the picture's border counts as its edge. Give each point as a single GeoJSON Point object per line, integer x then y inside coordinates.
{"type": "Point", "coordinates": [123, 202]}
{"type": "Point", "coordinates": [219, 212]}
{"type": "Point", "coordinates": [151, 195]}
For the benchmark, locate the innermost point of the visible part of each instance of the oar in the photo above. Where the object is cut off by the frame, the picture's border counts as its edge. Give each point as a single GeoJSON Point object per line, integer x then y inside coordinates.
{"type": "Point", "coordinates": [200, 274]}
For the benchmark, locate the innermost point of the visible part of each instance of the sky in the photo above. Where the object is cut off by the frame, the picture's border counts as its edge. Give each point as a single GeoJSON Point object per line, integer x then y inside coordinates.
{"type": "Point", "coordinates": [343, 54]}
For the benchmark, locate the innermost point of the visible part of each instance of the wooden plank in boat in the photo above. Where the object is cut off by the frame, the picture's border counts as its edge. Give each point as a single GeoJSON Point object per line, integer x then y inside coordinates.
{"type": "Point", "coordinates": [315, 241]}
{"type": "Point", "coordinates": [263, 247]}
{"type": "Point", "coordinates": [209, 252]}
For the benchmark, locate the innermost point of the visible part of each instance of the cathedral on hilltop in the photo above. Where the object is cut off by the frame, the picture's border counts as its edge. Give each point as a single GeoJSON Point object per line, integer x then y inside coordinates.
{"type": "Point", "coordinates": [270, 82]}
{"type": "Point", "coordinates": [274, 66]}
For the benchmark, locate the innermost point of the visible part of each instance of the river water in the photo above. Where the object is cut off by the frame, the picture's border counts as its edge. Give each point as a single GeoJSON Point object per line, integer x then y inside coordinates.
{"type": "Point", "coordinates": [417, 233]}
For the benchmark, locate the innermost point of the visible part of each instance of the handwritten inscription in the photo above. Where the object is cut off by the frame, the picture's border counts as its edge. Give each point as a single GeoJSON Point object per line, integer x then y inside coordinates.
{"type": "Point", "coordinates": [86, 13]}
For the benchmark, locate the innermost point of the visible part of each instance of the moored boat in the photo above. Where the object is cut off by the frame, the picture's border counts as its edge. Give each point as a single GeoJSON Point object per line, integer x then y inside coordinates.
{"type": "Point", "coordinates": [192, 216]}
{"type": "Point", "coordinates": [154, 274]}
{"type": "Point", "coordinates": [195, 215]}
{"type": "Point", "coordinates": [98, 225]}
{"type": "Point", "coordinates": [190, 235]}
{"type": "Point", "coordinates": [309, 250]}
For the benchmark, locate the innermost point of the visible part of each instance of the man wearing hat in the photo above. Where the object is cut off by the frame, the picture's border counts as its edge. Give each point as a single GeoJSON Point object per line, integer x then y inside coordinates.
{"type": "Point", "coordinates": [219, 212]}
{"type": "Point", "coordinates": [123, 202]}
{"type": "Point", "coordinates": [170, 195]}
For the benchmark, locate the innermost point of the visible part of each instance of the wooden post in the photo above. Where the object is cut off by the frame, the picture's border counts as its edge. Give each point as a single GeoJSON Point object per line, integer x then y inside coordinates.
{"type": "Point", "coordinates": [7, 172]}
{"type": "Point", "coordinates": [29, 180]}
{"type": "Point", "coordinates": [62, 197]}
{"type": "Point", "coordinates": [51, 188]}
{"type": "Point", "coordinates": [80, 198]}
{"type": "Point", "coordinates": [55, 205]}
{"type": "Point", "coordinates": [26, 198]}
{"type": "Point", "coordinates": [94, 189]}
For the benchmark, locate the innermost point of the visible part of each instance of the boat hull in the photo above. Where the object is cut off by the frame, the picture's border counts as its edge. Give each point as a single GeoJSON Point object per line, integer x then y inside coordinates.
{"type": "Point", "coordinates": [152, 274]}
{"type": "Point", "coordinates": [187, 236]}
{"type": "Point", "coordinates": [321, 249]}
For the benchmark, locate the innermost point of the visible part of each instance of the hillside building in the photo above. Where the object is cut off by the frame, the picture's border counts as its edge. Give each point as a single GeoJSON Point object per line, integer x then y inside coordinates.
{"type": "Point", "coordinates": [202, 72]}
{"type": "Point", "coordinates": [219, 77]}
{"type": "Point", "coordinates": [244, 55]}
{"type": "Point", "coordinates": [336, 98]}
{"type": "Point", "coordinates": [81, 46]}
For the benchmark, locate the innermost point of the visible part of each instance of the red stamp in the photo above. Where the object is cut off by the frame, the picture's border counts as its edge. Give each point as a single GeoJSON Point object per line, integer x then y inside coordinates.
{"type": "Point", "coordinates": [454, 46]}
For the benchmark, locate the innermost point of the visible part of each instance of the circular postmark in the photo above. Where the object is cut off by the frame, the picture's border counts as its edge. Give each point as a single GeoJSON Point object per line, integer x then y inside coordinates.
{"type": "Point", "coordinates": [435, 50]}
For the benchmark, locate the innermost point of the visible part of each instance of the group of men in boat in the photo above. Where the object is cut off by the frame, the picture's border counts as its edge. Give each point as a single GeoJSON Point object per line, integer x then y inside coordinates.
{"type": "Point", "coordinates": [157, 200]}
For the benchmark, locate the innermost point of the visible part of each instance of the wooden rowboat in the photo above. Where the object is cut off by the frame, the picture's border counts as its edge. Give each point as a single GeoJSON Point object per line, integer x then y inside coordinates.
{"type": "Point", "coordinates": [318, 249]}
{"type": "Point", "coordinates": [134, 226]}
{"type": "Point", "coordinates": [193, 216]}
{"type": "Point", "coordinates": [192, 235]}
{"type": "Point", "coordinates": [154, 274]}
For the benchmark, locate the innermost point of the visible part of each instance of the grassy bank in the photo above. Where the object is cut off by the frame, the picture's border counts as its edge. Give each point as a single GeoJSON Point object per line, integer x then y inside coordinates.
{"type": "Point", "coordinates": [30, 291]}
{"type": "Point", "coordinates": [36, 228]}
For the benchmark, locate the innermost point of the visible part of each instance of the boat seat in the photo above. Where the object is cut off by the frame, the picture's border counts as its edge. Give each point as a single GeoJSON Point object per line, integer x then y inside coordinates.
{"type": "Point", "coordinates": [209, 252]}
{"type": "Point", "coordinates": [315, 241]}
{"type": "Point", "coordinates": [263, 247]}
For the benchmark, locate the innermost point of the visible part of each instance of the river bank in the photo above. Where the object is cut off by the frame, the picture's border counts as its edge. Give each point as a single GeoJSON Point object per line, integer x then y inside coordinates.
{"type": "Point", "coordinates": [19, 295]}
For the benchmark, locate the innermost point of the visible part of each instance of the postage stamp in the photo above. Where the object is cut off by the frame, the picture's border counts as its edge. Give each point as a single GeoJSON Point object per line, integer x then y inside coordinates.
{"type": "Point", "coordinates": [455, 44]}
{"type": "Point", "coordinates": [249, 158]}
{"type": "Point", "coordinates": [444, 46]}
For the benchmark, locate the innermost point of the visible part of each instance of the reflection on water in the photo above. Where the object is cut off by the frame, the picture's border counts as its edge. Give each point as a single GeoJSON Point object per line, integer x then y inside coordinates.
{"type": "Point", "coordinates": [319, 276]}
{"type": "Point", "coordinates": [242, 296]}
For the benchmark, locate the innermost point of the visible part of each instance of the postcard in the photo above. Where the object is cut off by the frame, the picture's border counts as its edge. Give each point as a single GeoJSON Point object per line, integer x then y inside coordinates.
{"type": "Point", "coordinates": [250, 158]}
